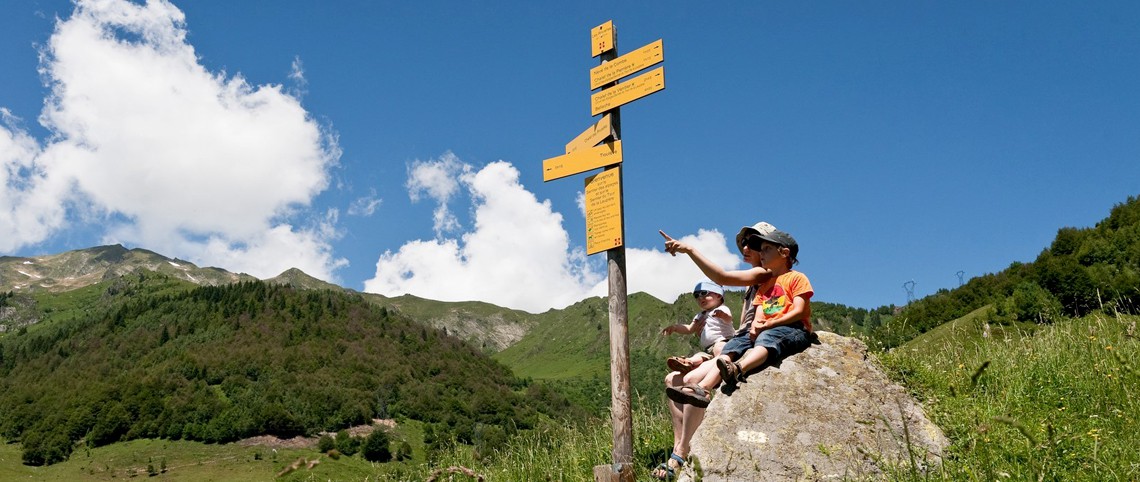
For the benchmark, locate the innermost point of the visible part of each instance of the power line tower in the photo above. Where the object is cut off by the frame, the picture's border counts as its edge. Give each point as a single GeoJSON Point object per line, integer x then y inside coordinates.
{"type": "Point", "coordinates": [909, 287]}
{"type": "Point", "coordinates": [960, 279]}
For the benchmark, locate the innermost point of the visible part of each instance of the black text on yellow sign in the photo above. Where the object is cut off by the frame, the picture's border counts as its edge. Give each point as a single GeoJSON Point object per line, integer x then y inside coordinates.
{"type": "Point", "coordinates": [581, 160]}
{"type": "Point", "coordinates": [628, 91]}
{"type": "Point", "coordinates": [627, 64]}
{"type": "Point", "coordinates": [603, 211]}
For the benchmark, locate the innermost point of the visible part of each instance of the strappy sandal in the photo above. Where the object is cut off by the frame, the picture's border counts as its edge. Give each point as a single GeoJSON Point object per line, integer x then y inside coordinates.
{"type": "Point", "coordinates": [666, 470]}
{"type": "Point", "coordinates": [680, 364]}
{"type": "Point", "coordinates": [690, 394]}
{"type": "Point", "coordinates": [729, 371]}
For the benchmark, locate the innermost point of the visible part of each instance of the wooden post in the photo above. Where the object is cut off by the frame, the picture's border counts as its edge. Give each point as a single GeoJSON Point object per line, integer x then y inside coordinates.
{"type": "Point", "coordinates": [620, 410]}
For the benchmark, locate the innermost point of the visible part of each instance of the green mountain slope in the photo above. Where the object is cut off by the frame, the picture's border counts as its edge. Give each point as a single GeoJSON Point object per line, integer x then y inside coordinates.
{"type": "Point", "coordinates": [165, 359]}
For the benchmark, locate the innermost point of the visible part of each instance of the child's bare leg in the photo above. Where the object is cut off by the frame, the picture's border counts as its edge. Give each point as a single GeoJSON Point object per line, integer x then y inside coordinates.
{"type": "Point", "coordinates": [707, 375]}
{"type": "Point", "coordinates": [753, 359]}
{"type": "Point", "coordinates": [696, 359]}
{"type": "Point", "coordinates": [716, 348]}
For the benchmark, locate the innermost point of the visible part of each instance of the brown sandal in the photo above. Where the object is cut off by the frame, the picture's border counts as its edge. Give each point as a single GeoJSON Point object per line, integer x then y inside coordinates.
{"type": "Point", "coordinates": [680, 364]}
{"type": "Point", "coordinates": [691, 394]}
{"type": "Point", "coordinates": [729, 371]}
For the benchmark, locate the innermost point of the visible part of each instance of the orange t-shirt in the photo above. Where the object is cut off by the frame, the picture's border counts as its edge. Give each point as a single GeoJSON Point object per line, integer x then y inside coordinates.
{"type": "Point", "coordinates": [777, 300]}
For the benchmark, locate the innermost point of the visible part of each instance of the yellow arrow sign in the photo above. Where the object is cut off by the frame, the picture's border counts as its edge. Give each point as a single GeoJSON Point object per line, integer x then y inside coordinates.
{"type": "Point", "coordinates": [592, 136]}
{"type": "Point", "coordinates": [603, 211]}
{"type": "Point", "coordinates": [582, 160]}
{"type": "Point", "coordinates": [602, 38]}
{"type": "Point", "coordinates": [628, 91]}
{"type": "Point", "coordinates": [626, 64]}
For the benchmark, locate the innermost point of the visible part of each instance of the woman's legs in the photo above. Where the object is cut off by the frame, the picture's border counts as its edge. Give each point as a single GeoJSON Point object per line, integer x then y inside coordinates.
{"type": "Point", "coordinates": [706, 375]}
{"type": "Point", "coordinates": [687, 418]}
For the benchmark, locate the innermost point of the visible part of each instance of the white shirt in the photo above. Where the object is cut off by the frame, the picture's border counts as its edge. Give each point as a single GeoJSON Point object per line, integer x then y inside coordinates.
{"type": "Point", "coordinates": [715, 329]}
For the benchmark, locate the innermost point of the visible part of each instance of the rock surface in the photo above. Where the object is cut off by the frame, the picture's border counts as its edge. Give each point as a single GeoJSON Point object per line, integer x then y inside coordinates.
{"type": "Point", "coordinates": [828, 413]}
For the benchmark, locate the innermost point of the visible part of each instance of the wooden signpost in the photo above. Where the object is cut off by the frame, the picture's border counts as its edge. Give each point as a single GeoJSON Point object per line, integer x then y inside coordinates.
{"type": "Point", "coordinates": [599, 146]}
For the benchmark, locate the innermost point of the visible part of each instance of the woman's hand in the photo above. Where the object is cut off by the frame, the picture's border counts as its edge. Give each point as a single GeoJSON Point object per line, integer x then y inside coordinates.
{"type": "Point", "coordinates": [672, 246]}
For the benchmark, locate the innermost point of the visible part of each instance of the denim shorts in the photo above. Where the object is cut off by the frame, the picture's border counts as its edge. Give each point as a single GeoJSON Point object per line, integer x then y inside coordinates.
{"type": "Point", "coordinates": [780, 341]}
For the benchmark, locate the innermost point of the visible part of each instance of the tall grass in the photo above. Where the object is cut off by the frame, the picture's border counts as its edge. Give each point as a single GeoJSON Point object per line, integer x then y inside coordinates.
{"type": "Point", "coordinates": [1059, 404]}
{"type": "Point", "coordinates": [559, 452]}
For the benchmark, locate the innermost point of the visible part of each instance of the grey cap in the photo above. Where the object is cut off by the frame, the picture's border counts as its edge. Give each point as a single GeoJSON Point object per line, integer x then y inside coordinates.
{"type": "Point", "coordinates": [783, 239]}
{"type": "Point", "coordinates": [760, 228]}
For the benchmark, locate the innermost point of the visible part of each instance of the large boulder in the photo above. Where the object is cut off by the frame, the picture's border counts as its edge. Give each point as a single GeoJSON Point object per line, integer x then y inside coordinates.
{"type": "Point", "coordinates": [828, 412]}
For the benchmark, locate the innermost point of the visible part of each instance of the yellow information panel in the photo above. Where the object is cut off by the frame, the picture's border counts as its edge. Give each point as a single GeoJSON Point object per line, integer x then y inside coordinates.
{"type": "Point", "coordinates": [592, 136]}
{"type": "Point", "coordinates": [603, 211]}
{"type": "Point", "coordinates": [627, 64]}
{"type": "Point", "coordinates": [628, 91]}
{"type": "Point", "coordinates": [581, 160]}
{"type": "Point", "coordinates": [602, 38]}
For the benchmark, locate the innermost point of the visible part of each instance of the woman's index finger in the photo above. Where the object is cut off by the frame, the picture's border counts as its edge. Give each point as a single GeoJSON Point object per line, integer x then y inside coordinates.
{"type": "Point", "coordinates": [666, 236]}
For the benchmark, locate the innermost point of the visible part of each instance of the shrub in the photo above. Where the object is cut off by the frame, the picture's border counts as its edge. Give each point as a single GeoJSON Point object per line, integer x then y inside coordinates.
{"type": "Point", "coordinates": [326, 443]}
{"type": "Point", "coordinates": [346, 444]}
{"type": "Point", "coordinates": [375, 447]}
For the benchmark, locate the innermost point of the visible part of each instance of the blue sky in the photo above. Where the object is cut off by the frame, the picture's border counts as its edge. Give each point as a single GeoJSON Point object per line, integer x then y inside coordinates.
{"type": "Point", "coordinates": [396, 147]}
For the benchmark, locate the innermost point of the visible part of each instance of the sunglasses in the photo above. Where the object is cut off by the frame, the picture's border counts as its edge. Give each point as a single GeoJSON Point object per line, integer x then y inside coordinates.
{"type": "Point", "coordinates": [702, 293]}
{"type": "Point", "coordinates": [753, 242]}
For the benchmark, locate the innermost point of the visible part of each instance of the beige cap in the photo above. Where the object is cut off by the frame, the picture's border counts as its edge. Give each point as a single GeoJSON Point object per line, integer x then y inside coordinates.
{"type": "Point", "coordinates": [761, 228]}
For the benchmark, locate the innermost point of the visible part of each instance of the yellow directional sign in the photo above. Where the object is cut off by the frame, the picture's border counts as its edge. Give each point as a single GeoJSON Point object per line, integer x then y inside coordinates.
{"type": "Point", "coordinates": [628, 91]}
{"type": "Point", "coordinates": [603, 211]}
{"type": "Point", "coordinates": [626, 64]}
{"type": "Point", "coordinates": [592, 136]}
{"type": "Point", "coordinates": [581, 160]}
{"type": "Point", "coordinates": [602, 38]}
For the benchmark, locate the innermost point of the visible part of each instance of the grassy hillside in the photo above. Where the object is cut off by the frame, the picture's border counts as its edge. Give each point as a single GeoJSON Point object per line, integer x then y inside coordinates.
{"type": "Point", "coordinates": [1057, 404]}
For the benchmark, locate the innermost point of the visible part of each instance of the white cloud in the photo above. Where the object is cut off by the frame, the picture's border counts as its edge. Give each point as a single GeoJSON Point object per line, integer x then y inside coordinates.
{"type": "Point", "coordinates": [516, 253]}
{"type": "Point", "coordinates": [170, 156]}
{"type": "Point", "coordinates": [665, 276]}
{"type": "Point", "coordinates": [365, 206]}
{"type": "Point", "coordinates": [439, 179]}
{"type": "Point", "coordinates": [297, 76]}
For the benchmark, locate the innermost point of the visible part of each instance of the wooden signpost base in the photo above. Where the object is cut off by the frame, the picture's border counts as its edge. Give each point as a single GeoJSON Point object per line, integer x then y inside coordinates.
{"type": "Point", "coordinates": [614, 473]}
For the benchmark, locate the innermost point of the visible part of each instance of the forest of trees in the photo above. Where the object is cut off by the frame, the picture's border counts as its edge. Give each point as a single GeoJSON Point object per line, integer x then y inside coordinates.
{"type": "Point", "coordinates": [217, 364]}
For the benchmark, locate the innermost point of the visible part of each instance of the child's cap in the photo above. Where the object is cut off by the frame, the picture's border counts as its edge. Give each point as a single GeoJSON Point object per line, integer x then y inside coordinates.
{"type": "Point", "coordinates": [755, 229]}
{"type": "Point", "coordinates": [709, 286]}
{"type": "Point", "coordinates": [783, 239]}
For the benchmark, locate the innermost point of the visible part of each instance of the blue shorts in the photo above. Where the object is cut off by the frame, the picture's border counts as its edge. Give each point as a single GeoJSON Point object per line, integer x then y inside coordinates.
{"type": "Point", "coordinates": [780, 341]}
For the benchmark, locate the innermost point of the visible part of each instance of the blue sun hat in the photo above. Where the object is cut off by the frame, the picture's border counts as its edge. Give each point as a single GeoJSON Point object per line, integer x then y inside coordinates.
{"type": "Point", "coordinates": [709, 286]}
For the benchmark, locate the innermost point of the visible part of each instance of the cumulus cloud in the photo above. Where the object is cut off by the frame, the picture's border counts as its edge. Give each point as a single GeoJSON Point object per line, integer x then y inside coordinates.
{"type": "Point", "coordinates": [165, 153]}
{"type": "Point", "coordinates": [515, 252]}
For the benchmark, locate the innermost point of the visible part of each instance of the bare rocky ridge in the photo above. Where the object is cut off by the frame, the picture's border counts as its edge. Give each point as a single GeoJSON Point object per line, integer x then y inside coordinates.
{"type": "Point", "coordinates": [828, 413]}
{"type": "Point", "coordinates": [76, 269]}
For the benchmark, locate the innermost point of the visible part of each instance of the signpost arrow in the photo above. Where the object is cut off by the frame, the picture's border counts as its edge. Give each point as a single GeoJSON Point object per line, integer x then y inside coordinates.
{"type": "Point", "coordinates": [582, 160]}
{"type": "Point", "coordinates": [592, 136]}
{"type": "Point", "coordinates": [628, 91]}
